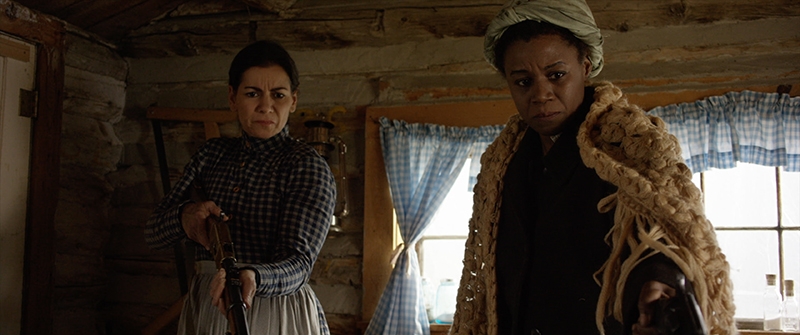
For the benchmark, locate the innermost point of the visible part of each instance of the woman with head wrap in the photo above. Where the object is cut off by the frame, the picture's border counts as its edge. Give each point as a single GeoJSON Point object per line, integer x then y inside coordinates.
{"type": "Point", "coordinates": [585, 219]}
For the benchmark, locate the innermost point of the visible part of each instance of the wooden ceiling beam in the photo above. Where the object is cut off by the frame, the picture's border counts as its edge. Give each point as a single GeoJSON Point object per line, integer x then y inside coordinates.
{"type": "Point", "coordinates": [113, 20]}
{"type": "Point", "coordinates": [271, 6]}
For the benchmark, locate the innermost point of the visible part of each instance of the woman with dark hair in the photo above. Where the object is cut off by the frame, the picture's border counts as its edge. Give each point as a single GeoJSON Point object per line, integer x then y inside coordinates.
{"type": "Point", "coordinates": [278, 194]}
{"type": "Point", "coordinates": [585, 218]}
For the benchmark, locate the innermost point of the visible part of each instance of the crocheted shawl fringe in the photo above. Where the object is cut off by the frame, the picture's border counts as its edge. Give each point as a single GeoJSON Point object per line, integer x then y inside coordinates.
{"type": "Point", "coordinates": [658, 210]}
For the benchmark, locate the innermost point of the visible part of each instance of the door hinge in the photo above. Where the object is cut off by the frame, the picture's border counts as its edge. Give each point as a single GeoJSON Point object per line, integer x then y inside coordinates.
{"type": "Point", "coordinates": [28, 100]}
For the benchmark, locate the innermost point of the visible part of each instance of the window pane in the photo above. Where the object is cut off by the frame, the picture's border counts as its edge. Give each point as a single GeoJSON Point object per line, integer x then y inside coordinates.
{"type": "Point", "coordinates": [745, 196]}
{"type": "Point", "coordinates": [791, 256]}
{"type": "Point", "coordinates": [452, 218]}
{"type": "Point", "coordinates": [751, 254]}
{"type": "Point", "coordinates": [790, 198]}
{"type": "Point", "coordinates": [697, 181]}
{"type": "Point", "coordinates": [442, 259]}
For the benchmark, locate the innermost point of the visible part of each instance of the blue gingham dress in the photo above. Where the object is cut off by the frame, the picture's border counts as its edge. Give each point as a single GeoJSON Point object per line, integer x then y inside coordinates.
{"type": "Point", "coordinates": [280, 195]}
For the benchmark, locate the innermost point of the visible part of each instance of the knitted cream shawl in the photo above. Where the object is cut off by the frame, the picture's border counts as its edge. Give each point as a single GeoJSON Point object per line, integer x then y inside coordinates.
{"type": "Point", "coordinates": [658, 210]}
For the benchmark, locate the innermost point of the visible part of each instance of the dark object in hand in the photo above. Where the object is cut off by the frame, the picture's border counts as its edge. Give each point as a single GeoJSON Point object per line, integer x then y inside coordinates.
{"type": "Point", "coordinates": [681, 314]}
{"type": "Point", "coordinates": [224, 256]}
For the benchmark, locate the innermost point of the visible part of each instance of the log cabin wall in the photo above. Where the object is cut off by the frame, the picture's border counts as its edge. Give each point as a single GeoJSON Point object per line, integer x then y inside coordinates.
{"type": "Point", "coordinates": [349, 53]}
{"type": "Point", "coordinates": [408, 52]}
{"type": "Point", "coordinates": [85, 266]}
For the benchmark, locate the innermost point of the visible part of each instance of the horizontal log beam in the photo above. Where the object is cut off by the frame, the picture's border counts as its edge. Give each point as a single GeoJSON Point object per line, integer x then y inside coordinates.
{"type": "Point", "coordinates": [191, 115]}
{"type": "Point", "coordinates": [335, 25]}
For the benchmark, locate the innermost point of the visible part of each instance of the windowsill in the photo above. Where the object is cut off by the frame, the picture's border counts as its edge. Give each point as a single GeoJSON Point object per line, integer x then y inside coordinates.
{"type": "Point", "coordinates": [442, 330]}
{"type": "Point", "coordinates": [437, 329]}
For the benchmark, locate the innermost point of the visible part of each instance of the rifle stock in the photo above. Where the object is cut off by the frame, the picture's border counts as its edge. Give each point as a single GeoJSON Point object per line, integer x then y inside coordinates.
{"type": "Point", "coordinates": [225, 257]}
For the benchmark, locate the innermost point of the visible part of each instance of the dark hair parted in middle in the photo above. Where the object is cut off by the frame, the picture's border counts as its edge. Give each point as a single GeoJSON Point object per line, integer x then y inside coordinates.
{"type": "Point", "coordinates": [527, 30]}
{"type": "Point", "coordinates": [262, 54]}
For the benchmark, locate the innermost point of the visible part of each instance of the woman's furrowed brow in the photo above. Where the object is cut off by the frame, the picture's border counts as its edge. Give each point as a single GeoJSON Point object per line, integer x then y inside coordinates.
{"type": "Point", "coordinates": [554, 65]}
{"type": "Point", "coordinates": [548, 67]}
{"type": "Point", "coordinates": [254, 88]}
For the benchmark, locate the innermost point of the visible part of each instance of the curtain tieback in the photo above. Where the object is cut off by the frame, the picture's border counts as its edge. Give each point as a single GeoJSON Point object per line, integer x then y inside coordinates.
{"type": "Point", "coordinates": [396, 253]}
{"type": "Point", "coordinates": [401, 249]}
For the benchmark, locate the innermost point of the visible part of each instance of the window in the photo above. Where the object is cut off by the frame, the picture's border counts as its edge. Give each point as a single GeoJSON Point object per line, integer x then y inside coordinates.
{"type": "Point", "coordinates": [441, 248]}
{"type": "Point", "coordinates": [380, 235]}
{"type": "Point", "coordinates": [756, 213]}
{"type": "Point", "coordinates": [448, 232]}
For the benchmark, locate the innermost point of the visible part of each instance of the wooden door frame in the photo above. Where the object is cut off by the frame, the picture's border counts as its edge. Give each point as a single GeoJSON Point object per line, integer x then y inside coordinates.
{"type": "Point", "coordinates": [48, 34]}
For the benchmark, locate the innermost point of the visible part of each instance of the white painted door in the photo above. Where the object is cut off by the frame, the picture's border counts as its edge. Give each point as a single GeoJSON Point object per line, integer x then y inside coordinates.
{"type": "Point", "coordinates": [17, 71]}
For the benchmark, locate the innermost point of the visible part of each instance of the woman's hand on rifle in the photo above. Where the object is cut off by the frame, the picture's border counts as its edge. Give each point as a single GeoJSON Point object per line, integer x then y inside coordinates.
{"type": "Point", "coordinates": [248, 279]}
{"type": "Point", "coordinates": [193, 219]}
{"type": "Point", "coordinates": [651, 292]}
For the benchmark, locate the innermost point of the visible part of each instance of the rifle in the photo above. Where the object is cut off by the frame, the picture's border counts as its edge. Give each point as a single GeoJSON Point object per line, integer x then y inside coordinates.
{"type": "Point", "coordinates": [225, 257]}
{"type": "Point", "coordinates": [681, 314]}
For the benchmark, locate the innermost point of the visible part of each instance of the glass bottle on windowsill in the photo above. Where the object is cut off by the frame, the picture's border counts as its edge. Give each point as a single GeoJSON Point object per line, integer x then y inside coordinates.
{"type": "Point", "coordinates": [429, 294]}
{"type": "Point", "coordinates": [445, 302]}
{"type": "Point", "coordinates": [790, 321]}
{"type": "Point", "coordinates": [772, 302]}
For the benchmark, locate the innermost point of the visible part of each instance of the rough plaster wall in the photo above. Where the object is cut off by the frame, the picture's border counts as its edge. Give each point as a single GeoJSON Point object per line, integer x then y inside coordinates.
{"type": "Point", "coordinates": [94, 99]}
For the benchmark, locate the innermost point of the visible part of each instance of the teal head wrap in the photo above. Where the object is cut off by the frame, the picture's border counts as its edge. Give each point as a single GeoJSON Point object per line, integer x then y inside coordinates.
{"type": "Point", "coordinates": [573, 15]}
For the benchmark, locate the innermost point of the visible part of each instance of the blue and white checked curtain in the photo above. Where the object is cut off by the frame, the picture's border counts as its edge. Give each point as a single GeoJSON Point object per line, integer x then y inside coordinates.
{"type": "Point", "coordinates": [747, 126]}
{"type": "Point", "coordinates": [422, 163]}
